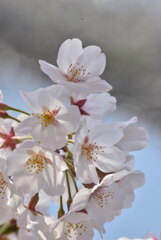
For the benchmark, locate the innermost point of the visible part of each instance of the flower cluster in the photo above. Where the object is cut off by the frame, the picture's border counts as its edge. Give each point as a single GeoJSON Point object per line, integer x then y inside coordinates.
{"type": "Point", "coordinates": [63, 151]}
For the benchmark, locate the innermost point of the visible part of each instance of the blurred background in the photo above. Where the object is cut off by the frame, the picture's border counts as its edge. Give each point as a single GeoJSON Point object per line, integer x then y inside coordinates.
{"type": "Point", "coordinates": [129, 32]}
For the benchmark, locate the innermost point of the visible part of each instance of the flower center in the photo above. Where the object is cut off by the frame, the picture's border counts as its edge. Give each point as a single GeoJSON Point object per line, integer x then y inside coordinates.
{"type": "Point", "coordinates": [102, 198]}
{"type": "Point", "coordinates": [88, 151]}
{"type": "Point", "coordinates": [76, 73]}
{"type": "Point", "coordinates": [3, 186]}
{"type": "Point", "coordinates": [74, 230]}
{"type": "Point", "coordinates": [9, 141]}
{"type": "Point", "coordinates": [36, 163]}
{"type": "Point", "coordinates": [91, 150]}
{"type": "Point", "coordinates": [48, 117]}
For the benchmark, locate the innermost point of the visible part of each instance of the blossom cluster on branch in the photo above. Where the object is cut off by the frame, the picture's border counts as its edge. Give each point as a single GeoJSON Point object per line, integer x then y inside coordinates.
{"type": "Point", "coordinates": [63, 151]}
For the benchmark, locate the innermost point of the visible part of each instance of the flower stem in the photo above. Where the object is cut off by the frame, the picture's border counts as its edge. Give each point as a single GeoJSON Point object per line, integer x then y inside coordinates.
{"type": "Point", "coordinates": [13, 118]}
{"type": "Point", "coordinates": [61, 210]}
{"type": "Point", "coordinates": [70, 166]}
{"type": "Point", "coordinates": [18, 110]}
{"type": "Point", "coordinates": [71, 141]}
{"type": "Point", "coordinates": [69, 201]}
{"type": "Point", "coordinates": [74, 181]}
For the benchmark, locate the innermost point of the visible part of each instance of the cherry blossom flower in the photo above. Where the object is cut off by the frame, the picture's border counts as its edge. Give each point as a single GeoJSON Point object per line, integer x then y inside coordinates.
{"type": "Point", "coordinates": [34, 225]}
{"type": "Point", "coordinates": [64, 143]}
{"type": "Point", "coordinates": [135, 137]}
{"type": "Point", "coordinates": [78, 69]}
{"type": "Point", "coordinates": [107, 198]}
{"type": "Point", "coordinates": [94, 107]}
{"type": "Point", "coordinates": [95, 149]}
{"type": "Point", "coordinates": [50, 121]}
{"type": "Point", "coordinates": [36, 165]}
{"type": "Point", "coordinates": [75, 226]}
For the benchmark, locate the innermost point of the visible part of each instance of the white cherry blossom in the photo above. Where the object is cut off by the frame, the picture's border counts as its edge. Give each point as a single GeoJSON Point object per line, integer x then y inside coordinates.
{"type": "Point", "coordinates": [135, 137]}
{"type": "Point", "coordinates": [107, 198]}
{"type": "Point", "coordinates": [78, 69]}
{"type": "Point", "coordinates": [74, 226]}
{"type": "Point", "coordinates": [51, 120]}
{"type": "Point", "coordinates": [95, 149]}
{"type": "Point", "coordinates": [34, 225]}
{"type": "Point", "coordinates": [33, 168]}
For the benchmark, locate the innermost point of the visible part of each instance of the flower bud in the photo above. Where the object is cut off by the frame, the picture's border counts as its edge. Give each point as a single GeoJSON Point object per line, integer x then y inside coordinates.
{"type": "Point", "coordinates": [4, 107]}
{"type": "Point", "coordinates": [3, 114]}
{"type": "Point", "coordinates": [33, 202]}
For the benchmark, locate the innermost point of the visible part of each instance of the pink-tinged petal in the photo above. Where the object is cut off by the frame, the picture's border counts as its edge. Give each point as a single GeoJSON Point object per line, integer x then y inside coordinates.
{"type": "Point", "coordinates": [31, 99]}
{"type": "Point", "coordinates": [128, 192]}
{"type": "Point", "coordinates": [135, 138]}
{"type": "Point", "coordinates": [53, 181]}
{"type": "Point", "coordinates": [70, 118]}
{"type": "Point", "coordinates": [54, 137]}
{"type": "Point", "coordinates": [92, 60]}
{"type": "Point", "coordinates": [111, 160]}
{"type": "Point", "coordinates": [100, 215]}
{"type": "Point", "coordinates": [30, 124]}
{"type": "Point", "coordinates": [97, 105]}
{"type": "Point", "coordinates": [136, 179]}
{"type": "Point", "coordinates": [91, 122]}
{"type": "Point", "coordinates": [68, 53]}
{"type": "Point", "coordinates": [58, 92]}
{"type": "Point", "coordinates": [49, 179]}
{"type": "Point", "coordinates": [38, 101]}
{"type": "Point", "coordinates": [106, 135]}
{"type": "Point", "coordinates": [53, 72]}
{"type": "Point", "coordinates": [80, 199]}
{"type": "Point", "coordinates": [85, 171]}
{"type": "Point", "coordinates": [96, 85]}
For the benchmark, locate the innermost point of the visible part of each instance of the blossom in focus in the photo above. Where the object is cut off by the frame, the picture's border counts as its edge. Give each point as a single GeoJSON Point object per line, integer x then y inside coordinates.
{"type": "Point", "coordinates": [34, 225]}
{"type": "Point", "coordinates": [78, 69]}
{"type": "Point", "coordinates": [62, 144]}
{"type": "Point", "coordinates": [95, 149]}
{"type": "Point", "coordinates": [111, 195]}
{"type": "Point", "coordinates": [75, 226]}
{"type": "Point", "coordinates": [51, 120]}
{"type": "Point", "coordinates": [31, 163]}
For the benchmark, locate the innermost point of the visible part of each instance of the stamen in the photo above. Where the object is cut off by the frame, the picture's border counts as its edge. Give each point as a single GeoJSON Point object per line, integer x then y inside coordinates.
{"type": "Point", "coordinates": [36, 163]}
{"type": "Point", "coordinates": [91, 150]}
{"type": "Point", "coordinates": [3, 186]}
{"type": "Point", "coordinates": [74, 230]}
{"type": "Point", "coordinates": [76, 73]}
{"type": "Point", "coordinates": [102, 198]}
{"type": "Point", "coordinates": [48, 117]}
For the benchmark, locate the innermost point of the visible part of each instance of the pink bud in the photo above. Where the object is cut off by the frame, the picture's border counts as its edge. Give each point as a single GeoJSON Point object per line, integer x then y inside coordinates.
{"type": "Point", "coordinates": [4, 107]}
{"type": "Point", "coordinates": [3, 114]}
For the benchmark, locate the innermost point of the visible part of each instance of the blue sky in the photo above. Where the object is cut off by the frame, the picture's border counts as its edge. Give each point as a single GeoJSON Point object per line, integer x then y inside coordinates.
{"type": "Point", "coordinates": [145, 214]}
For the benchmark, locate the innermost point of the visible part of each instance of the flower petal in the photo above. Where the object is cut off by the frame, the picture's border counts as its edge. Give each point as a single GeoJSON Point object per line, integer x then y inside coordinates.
{"type": "Point", "coordinates": [68, 53]}
{"type": "Point", "coordinates": [53, 72]}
